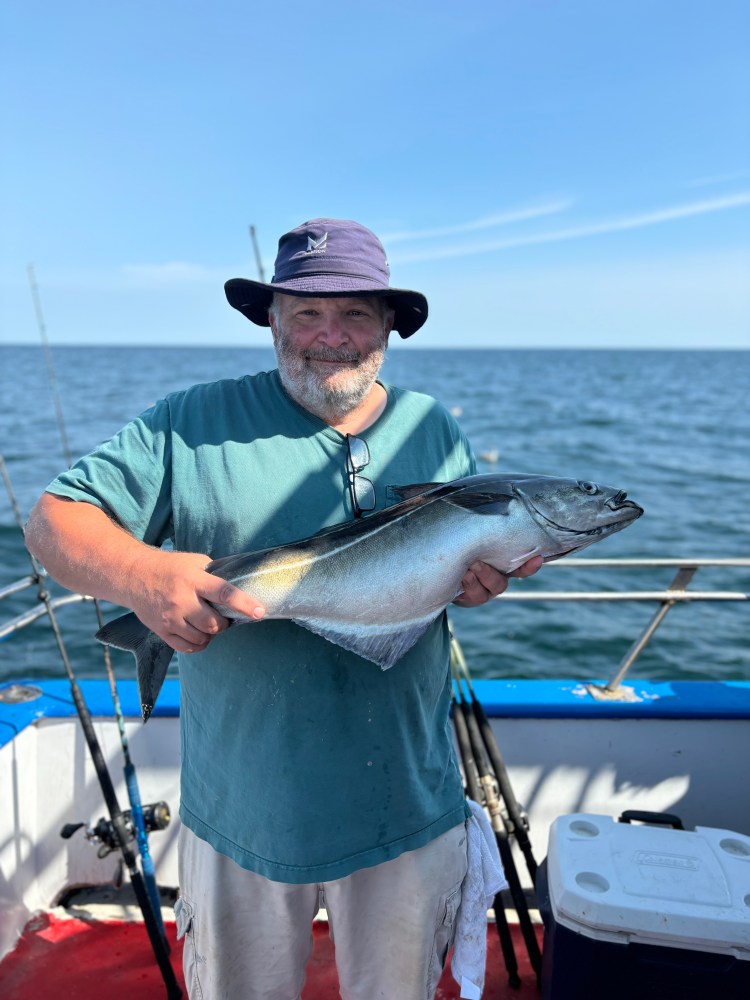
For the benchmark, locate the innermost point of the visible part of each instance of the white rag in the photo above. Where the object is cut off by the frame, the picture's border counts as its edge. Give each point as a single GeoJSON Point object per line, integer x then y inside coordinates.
{"type": "Point", "coordinates": [484, 879]}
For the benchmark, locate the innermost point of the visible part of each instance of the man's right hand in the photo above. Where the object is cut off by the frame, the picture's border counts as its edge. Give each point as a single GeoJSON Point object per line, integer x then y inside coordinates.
{"type": "Point", "coordinates": [177, 596]}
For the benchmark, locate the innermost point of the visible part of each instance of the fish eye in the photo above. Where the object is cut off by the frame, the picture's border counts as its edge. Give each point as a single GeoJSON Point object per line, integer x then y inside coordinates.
{"type": "Point", "coordinates": [590, 488]}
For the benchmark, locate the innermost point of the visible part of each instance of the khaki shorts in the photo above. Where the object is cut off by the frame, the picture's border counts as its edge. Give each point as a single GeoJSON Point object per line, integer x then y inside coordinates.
{"type": "Point", "coordinates": [247, 938]}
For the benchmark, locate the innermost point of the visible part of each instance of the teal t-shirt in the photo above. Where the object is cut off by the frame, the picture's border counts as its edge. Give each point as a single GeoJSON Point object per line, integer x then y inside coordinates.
{"type": "Point", "coordinates": [300, 761]}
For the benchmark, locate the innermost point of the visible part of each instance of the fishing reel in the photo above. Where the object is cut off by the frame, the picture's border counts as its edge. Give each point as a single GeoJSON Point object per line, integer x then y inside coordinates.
{"type": "Point", "coordinates": [156, 816]}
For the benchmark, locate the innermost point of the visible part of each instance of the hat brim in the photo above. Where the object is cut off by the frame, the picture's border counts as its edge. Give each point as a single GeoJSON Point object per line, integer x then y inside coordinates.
{"type": "Point", "coordinates": [253, 298]}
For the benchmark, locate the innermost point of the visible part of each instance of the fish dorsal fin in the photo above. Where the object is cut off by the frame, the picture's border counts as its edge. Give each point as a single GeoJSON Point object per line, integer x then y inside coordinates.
{"type": "Point", "coordinates": [479, 497]}
{"type": "Point", "coordinates": [381, 644]}
{"type": "Point", "coordinates": [412, 490]}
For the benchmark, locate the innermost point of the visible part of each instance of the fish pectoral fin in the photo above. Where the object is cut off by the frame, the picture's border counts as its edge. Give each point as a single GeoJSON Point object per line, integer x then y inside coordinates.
{"type": "Point", "coordinates": [480, 501]}
{"type": "Point", "coordinates": [152, 655]}
{"type": "Point", "coordinates": [381, 644]}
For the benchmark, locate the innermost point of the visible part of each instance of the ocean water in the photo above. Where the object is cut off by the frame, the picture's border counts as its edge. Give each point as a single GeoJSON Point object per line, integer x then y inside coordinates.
{"type": "Point", "coordinates": [671, 428]}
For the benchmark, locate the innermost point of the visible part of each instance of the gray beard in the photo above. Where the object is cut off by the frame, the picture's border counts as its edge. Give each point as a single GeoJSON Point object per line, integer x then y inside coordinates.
{"type": "Point", "coordinates": [331, 398]}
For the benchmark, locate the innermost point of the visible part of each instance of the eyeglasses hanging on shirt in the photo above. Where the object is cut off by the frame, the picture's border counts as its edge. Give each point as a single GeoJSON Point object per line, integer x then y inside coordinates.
{"type": "Point", "coordinates": [360, 487]}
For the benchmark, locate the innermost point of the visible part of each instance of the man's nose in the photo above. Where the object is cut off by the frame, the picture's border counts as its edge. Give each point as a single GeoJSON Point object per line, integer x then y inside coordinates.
{"type": "Point", "coordinates": [333, 331]}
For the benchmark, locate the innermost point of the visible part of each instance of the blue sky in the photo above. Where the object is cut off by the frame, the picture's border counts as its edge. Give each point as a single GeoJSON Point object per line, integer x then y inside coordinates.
{"type": "Point", "coordinates": [550, 174]}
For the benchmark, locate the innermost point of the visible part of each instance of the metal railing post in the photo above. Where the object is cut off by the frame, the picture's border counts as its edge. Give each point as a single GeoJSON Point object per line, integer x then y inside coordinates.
{"type": "Point", "coordinates": [682, 578]}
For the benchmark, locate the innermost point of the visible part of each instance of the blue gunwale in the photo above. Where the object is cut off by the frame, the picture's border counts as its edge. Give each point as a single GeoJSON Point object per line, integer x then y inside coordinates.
{"type": "Point", "coordinates": [523, 699]}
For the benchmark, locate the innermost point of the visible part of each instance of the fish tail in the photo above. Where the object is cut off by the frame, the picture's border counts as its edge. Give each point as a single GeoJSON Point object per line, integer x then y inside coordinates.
{"type": "Point", "coordinates": [152, 655]}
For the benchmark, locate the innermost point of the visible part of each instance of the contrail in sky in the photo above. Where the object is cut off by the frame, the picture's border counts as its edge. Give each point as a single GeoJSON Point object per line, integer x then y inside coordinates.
{"type": "Point", "coordinates": [175, 273]}
{"type": "Point", "coordinates": [639, 221]}
{"type": "Point", "coordinates": [488, 222]}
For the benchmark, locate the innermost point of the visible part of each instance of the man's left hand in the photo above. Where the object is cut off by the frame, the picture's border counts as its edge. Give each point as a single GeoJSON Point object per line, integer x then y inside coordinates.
{"type": "Point", "coordinates": [482, 582]}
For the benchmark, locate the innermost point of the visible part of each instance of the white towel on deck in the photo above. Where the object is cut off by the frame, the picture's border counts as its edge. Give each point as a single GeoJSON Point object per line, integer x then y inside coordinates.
{"type": "Point", "coordinates": [484, 879]}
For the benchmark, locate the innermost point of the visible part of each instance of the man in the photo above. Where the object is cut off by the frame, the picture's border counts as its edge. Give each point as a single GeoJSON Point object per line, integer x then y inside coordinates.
{"type": "Point", "coordinates": [306, 770]}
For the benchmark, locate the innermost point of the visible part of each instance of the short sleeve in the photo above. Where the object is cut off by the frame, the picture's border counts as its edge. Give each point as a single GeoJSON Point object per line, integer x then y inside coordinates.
{"type": "Point", "coordinates": [129, 477]}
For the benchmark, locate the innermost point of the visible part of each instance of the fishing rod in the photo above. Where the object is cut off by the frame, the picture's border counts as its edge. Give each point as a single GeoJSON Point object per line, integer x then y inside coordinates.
{"type": "Point", "coordinates": [131, 779]}
{"type": "Point", "coordinates": [474, 791]}
{"type": "Point", "coordinates": [489, 791]}
{"type": "Point", "coordinates": [117, 816]}
{"type": "Point", "coordinates": [50, 367]}
{"type": "Point", "coordinates": [518, 822]}
{"type": "Point", "coordinates": [134, 794]}
{"type": "Point", "coordinates": [258, 261]}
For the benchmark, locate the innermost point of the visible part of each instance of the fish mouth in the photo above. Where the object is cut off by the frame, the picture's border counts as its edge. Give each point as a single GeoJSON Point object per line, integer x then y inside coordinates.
{"type": "Point", "coordinates": [620, 502]}
{"type": "Point", "coordinates": [615, 503]}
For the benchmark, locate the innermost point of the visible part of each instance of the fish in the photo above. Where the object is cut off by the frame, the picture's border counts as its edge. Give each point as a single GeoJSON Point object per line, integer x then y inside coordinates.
{"type": "Point", "coordinates": [374, 585]}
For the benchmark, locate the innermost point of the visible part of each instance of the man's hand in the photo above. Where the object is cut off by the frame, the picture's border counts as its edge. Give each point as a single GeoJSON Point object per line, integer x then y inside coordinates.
{"type": "Point", "coordinates": [482, 582]}
{"type": "Point", "coordinates": [176, 596]}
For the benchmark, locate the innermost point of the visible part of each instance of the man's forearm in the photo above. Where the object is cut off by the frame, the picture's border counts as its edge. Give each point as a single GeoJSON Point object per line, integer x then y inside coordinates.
{"type": "Point", "coordinates": [84, 550]}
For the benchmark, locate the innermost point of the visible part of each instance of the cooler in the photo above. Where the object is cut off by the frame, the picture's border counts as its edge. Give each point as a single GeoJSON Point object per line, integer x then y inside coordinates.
{"type": "Point", "coordinates": [644, 912]}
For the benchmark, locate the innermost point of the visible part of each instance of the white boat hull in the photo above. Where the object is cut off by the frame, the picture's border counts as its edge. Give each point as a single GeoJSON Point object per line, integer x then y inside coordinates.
{"type": "Point", "coordinates": [564, 752]}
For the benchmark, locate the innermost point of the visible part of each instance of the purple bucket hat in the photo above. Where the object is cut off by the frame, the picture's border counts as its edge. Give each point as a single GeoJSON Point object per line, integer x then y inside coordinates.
{"type": "Point", "coordinates": [328, 258]}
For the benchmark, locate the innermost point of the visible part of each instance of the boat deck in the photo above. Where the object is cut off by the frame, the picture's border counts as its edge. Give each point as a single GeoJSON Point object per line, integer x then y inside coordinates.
{"type": "Point", "coordinates": [63, 957]}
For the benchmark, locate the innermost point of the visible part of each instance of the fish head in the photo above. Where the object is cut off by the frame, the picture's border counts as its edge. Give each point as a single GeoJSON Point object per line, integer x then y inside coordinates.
{"type": "Point", "coordinates": [575, 512]}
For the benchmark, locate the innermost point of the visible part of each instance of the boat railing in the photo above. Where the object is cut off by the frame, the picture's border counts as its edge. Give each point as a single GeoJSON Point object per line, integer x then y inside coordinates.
{"type": "Point", "coordinates": [38, 578]}
{"type": "Point", "coordinates": [675, 593]}
{"type": "Point", "coordinates": [32, 614]}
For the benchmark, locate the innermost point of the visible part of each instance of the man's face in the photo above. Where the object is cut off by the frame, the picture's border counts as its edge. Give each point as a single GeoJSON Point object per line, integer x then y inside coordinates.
{"type": "Point", "coordinates": [329, 350]}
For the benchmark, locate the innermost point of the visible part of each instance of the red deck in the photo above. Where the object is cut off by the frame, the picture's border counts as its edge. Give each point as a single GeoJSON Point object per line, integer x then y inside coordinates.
{"type": "Point", "coordinates": [74, 959]}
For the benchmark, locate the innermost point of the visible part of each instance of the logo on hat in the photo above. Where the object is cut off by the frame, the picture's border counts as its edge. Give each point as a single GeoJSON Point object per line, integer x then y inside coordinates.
{"type": "Point", "coordinates": [317, 246]}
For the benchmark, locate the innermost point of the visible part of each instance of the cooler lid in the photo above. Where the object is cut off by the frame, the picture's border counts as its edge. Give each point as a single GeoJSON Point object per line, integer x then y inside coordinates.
{"type": "Point", "coordinates": [679, 888]}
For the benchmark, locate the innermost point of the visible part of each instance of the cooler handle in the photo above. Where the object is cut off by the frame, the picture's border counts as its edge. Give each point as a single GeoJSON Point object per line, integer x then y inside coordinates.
{"type": "Point", "coordinates": [659, 819]}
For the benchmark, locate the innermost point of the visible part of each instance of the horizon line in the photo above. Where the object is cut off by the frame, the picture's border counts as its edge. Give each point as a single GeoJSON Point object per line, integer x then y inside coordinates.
{"type": "Point", "coordinates": [398, 346]}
